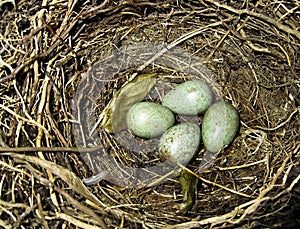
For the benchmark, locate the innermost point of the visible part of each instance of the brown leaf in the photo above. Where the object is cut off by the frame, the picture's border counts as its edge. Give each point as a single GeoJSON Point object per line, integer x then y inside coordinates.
{"type": "Point", "coordinates": [114, 117]}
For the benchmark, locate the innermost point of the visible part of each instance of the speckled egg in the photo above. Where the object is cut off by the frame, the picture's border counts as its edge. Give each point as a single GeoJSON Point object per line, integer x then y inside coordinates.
{"type": "Point", "coordinates": [219, 126]}
{"type": "Point", "coordinates": [146, 119]}
{"type": "Point", "coordinates": [180, 143]}
{"type": "Point", "coordinates": [189, 98]}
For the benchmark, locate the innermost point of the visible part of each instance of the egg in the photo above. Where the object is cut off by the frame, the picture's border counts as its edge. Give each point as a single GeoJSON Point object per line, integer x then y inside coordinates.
{"type": "Point", "coordinates": [147, 119]}
{"type": "Point", "coordinates": [219, 126]}
{"type": "Point", "coordinates": [180, 143]}
{"type": "Point", "coordinates": [189, 98]}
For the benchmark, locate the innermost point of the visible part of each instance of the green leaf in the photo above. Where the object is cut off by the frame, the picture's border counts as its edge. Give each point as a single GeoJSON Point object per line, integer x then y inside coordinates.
{"type": "Point", "coordinates": [114, 115]}
{"type": "Point", "coordinates": [188, 185]}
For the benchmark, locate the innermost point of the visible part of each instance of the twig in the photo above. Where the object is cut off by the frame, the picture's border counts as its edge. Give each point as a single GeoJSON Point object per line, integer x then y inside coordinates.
{"type": "Point", "coordinates": [281, 124]}
{"type": "Point", "coordinates": [215, 184]}
{"type": "Point", "coordinates": [73, 201]}
{"type": "Point", "coordinates": [50, 149]}
{"type": "Point", "coordinates": [180, 40]}
{"type": "Point", "coordinates": [241, 166]}
{"type": "Point", "coordinates": [30, 121]}
{"type": "Point", "coordinates": [76, 222]}
{"type": "Point", "coordinates": [257, 15]}
{"type": "Point", "coordinates": [81, 207]}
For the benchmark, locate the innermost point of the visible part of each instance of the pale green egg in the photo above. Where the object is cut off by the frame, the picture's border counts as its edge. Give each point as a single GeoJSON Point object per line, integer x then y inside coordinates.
{"type": "Point", "coordinates": [219, 126]}
{"type": "Point", "coordinates": [189, 98]}
{"type": "Point", "coordinates": [146, 119]}
{"type": "Point", "coordinates": [180, 143]}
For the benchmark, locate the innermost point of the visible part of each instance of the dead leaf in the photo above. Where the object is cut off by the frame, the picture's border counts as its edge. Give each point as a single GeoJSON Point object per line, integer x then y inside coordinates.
{"type": "Point", "coordinates": [114, 118]}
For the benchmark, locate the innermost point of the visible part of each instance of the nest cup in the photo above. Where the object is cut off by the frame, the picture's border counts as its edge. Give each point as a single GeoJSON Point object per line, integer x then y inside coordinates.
{"type": "Point", "coordinates": [137, 157]}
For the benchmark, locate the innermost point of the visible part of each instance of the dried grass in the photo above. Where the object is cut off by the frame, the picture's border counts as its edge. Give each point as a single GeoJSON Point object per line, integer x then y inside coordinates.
{"type": "Point", "coordinates": [46, 49]}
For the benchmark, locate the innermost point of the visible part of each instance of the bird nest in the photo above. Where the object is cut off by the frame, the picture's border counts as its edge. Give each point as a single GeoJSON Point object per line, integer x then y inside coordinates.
{"type": "Point", "coordinates": [62, 65]}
